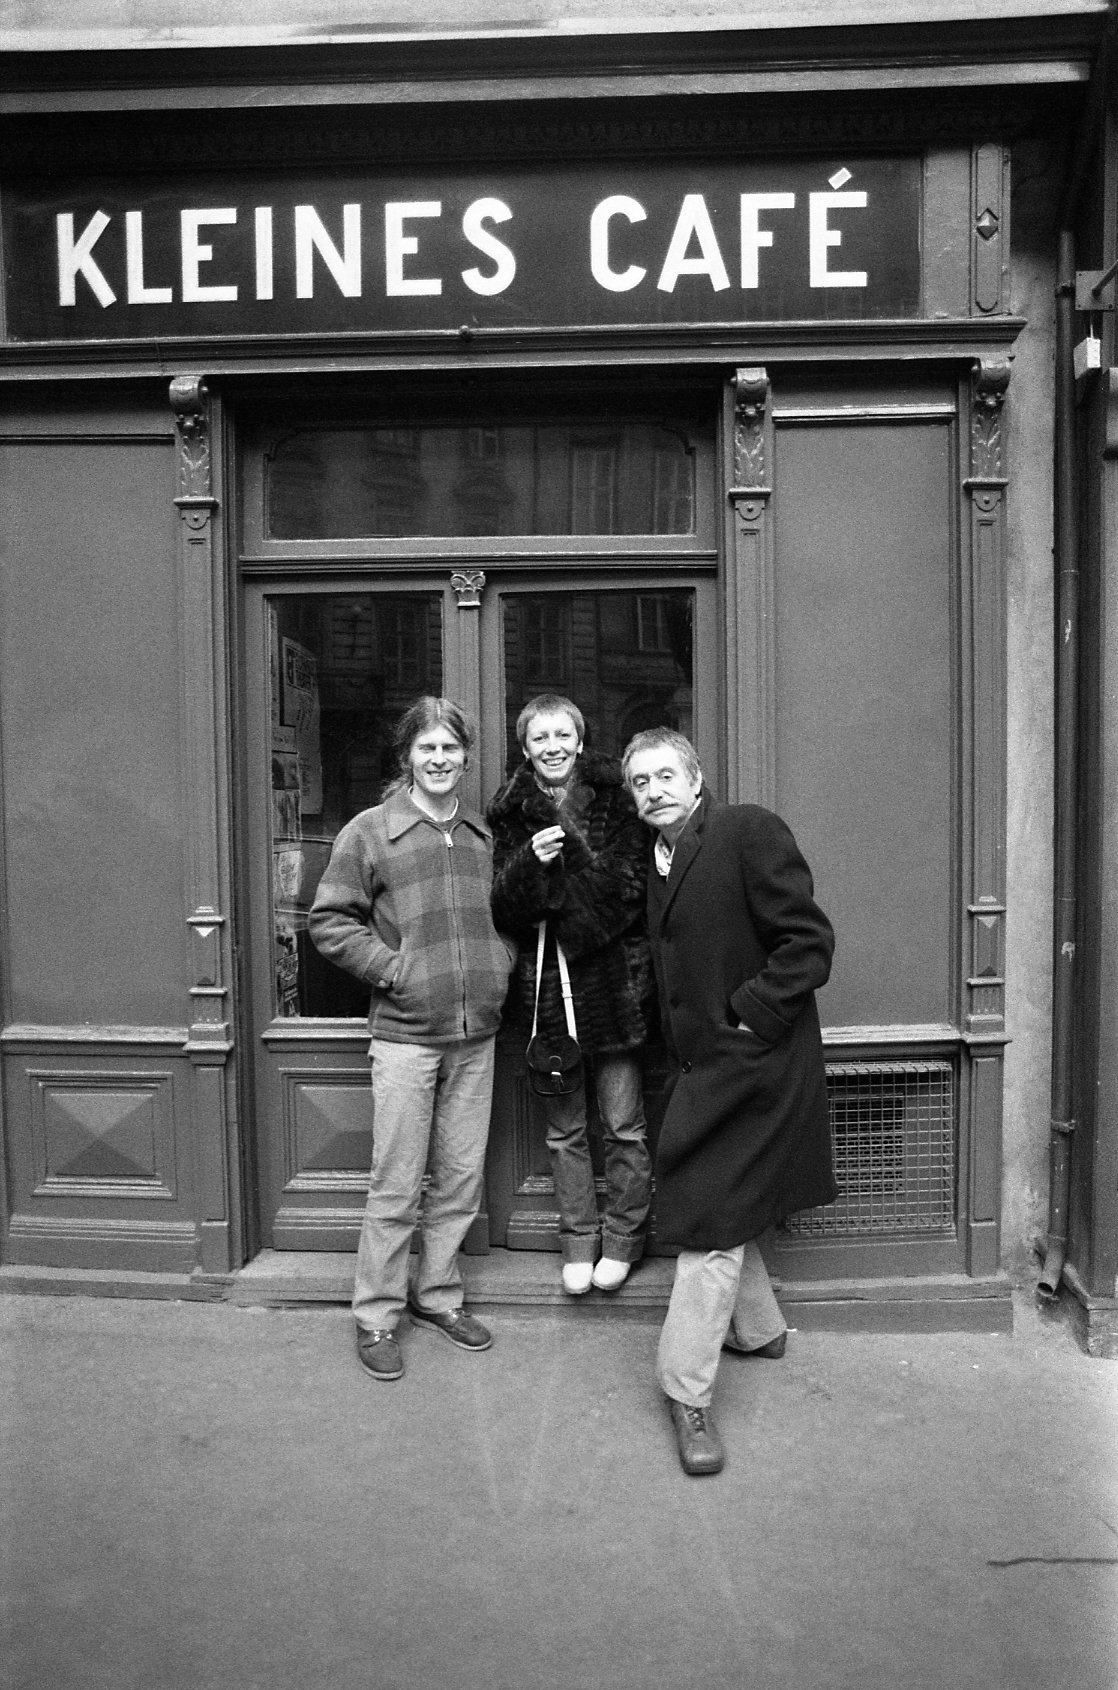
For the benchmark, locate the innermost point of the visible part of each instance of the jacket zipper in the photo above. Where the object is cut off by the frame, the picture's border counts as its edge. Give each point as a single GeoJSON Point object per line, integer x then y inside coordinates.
{"type": "Point", "coordinates": [449, 837]}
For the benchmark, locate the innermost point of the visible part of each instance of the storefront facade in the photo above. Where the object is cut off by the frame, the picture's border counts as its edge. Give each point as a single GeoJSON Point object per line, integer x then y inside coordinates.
{"type": "Point", "coordinates": [712, 402]}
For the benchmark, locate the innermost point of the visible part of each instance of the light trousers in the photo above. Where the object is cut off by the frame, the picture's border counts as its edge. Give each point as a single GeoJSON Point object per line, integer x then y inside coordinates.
{"type": "Point", "coordinates": [718, 1297]}
{"type": "Point", "coordinates": [431, 1107]}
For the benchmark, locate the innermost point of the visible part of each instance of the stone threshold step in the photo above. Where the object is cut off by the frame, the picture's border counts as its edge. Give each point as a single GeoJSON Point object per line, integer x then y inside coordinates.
{"type": "Point", "coordinates": [529, 1279]}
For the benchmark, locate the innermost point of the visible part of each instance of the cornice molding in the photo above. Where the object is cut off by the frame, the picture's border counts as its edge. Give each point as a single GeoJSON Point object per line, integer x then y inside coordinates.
{"type": "Point", "coordinates": [888, 121]}
{"type": "Point", "coordinates": [52, 61]}
{"type": "Point", "coordinates": [713, 344]}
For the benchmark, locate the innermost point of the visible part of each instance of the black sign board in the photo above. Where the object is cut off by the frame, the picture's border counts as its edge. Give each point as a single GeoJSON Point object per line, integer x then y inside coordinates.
{"type": "Point", "coordinates": [610, 244]}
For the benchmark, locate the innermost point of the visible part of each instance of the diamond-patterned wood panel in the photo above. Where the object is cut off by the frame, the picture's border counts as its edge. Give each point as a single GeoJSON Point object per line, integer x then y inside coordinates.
{"type": "Point", "coordinates": [328, 1129]}
{"type": "Point", "coordinates": [108, 1134]}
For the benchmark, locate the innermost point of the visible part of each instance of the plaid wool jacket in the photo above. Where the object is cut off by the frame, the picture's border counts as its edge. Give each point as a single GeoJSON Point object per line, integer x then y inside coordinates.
{"type": "Point", "coordinates": [404, 906]}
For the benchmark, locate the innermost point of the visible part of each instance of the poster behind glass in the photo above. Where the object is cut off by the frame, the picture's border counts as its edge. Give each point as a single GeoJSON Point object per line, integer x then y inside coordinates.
{"type": "Point", "coordinates": [342, 669]}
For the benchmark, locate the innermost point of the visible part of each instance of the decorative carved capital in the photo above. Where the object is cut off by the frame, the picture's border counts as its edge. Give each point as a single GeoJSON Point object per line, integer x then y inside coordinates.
{"type": "Point", "coordinates": [468, 584]}
{"type": "Point", "coordinates": [190, 402]}
{"type": "Point", "coordinates": [751, 392]}
{"type": "Point", "coordinates": [987, 438]}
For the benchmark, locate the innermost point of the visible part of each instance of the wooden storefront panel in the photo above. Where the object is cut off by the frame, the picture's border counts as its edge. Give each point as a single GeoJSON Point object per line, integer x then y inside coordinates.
{"type": "Point", "coordinates": [96, 1110]}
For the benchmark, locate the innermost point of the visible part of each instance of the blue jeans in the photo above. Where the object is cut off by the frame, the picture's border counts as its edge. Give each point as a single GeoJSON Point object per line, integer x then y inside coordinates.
{"type": "Point", "coordinates": [431, 1103]}
{"type": "Point", "coordinates": [621, 1228]}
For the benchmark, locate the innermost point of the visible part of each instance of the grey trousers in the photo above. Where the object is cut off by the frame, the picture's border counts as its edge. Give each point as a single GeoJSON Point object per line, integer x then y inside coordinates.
{"type": "Point", "coordinates": [718, 1297]}
{"type": "Point", "coordinates": [430, 1107]}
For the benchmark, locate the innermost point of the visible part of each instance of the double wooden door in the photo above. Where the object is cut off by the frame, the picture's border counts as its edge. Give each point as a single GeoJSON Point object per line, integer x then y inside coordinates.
{"type": "Point", "coordinates": [332, 659]}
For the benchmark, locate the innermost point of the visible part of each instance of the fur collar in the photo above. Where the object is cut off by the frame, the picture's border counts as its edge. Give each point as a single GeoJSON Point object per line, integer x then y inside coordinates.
{"type": "Point", "coordinates": [520, 792]}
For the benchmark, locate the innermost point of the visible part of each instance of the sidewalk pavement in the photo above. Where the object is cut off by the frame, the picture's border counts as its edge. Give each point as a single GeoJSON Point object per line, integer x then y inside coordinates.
{"type": "Point", "coordinates": [198, 1495]}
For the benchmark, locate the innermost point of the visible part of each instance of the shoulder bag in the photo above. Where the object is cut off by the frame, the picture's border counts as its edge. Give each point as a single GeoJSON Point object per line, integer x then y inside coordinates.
{"type": "Point", "coordinates": [554, 1061]}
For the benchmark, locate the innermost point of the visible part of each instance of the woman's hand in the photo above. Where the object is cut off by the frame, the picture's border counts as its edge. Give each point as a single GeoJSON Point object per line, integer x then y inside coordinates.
{"type": "Point", "coordinates": [547, 843]}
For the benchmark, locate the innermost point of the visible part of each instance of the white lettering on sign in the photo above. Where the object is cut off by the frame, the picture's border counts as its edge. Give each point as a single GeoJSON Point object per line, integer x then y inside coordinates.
{"type": "Point", "coordinates": [477, 215]}
{"type": "Point", "coordinates": [266, 249]}
{"type": "Point", "coordinates": [195, 253]}
{"type": "Point", "coordinates": [822, 236]}
{"type": "Point", "coordinates": [311, 236]}
{"type": "Point", "coordinates": [617, 281]}
{"type": "Point", "coordinates": [262, 224]}
{"type": "Point", "coordinates": [138, 293]}
{"type": "Point", "coordinates": [693, 222]}
{"type": "Point", "coordinates": [398, 246]}
{"type": "Point", "coordinates": [76, 258]}
{"type": "Point", "coordinates": [753, 237]}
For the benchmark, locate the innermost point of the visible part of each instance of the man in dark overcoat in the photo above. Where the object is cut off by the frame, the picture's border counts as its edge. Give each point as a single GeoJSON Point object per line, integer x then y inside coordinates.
{"type": "Point", "coordinates": [739, 947]}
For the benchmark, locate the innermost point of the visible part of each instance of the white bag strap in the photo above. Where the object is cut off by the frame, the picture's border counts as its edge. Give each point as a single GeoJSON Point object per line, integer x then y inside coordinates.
{"type": "Point", "coordinates": [564, 982]}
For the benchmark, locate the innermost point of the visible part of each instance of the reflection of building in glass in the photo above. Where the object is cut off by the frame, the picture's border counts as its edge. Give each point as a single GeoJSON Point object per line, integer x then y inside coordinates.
{"type": "Point", "coordinates": [673, 491]}
{"type": "Point", "coordinates": [625, 658]}
{"type": "Point", "coordinates": [594, 467]}
{"type": "Point", "coordinates": [546, 641]}
{"type": "Point", "coordinates": [374, 654]}
{"type": "Point", "coordinates": [653, 613]}
{"type": "Point", "coordinates": [296, 480]}
{"type": "Point", "coordinates": [534, 477]}
{"type": "Point", "coordinates": [484, 499]}
{"type": "Point", "coordinates": [370, 655]}
{"type": "Point", "coordinates": [392, 481]}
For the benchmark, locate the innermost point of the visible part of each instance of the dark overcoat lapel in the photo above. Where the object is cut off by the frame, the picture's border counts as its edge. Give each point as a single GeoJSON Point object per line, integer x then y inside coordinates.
{"type": "Point", "coordinates": [739, 942]}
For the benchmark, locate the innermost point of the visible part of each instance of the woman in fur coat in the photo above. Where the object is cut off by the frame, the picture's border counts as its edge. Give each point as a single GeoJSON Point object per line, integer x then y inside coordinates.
{"type": "Point", "coordinates": [569, 849]}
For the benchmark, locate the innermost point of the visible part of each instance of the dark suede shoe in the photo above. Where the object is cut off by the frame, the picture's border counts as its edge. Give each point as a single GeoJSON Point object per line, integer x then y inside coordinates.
{"type": "Point", "coordinates": [772, 1351]}
{"type": "Point", "coordinates": [700, 1448]}
{"type": "Point", "coordinates": [461, 1328]}
{"type": "Point", "coordinates": [379, 1353]}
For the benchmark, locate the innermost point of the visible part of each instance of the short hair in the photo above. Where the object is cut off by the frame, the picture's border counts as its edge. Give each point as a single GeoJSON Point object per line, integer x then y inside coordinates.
{"type": "Point", "coordinates": [650, 738]}
{"type": "Point", "coordinates": [548, 704]}
{"type": "Point", "coordinates": [419, 718]}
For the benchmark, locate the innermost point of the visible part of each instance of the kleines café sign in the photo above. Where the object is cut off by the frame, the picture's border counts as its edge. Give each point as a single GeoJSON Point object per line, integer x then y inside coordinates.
{"type": "Point", "coordinates": [677, 243]}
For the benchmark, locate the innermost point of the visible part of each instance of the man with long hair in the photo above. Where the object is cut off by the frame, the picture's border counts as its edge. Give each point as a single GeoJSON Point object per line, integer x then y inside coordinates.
{"type": "Point", "coordinates": [404, 906]}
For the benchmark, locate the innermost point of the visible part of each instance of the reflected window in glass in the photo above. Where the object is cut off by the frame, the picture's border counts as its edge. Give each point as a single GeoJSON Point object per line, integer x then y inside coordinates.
{"type": "Point", "coordinates": [522, 476]}
{"type": "Point", "coordinates": [343, 668]}
{"type": "Point", "coordinates": [620, 684]}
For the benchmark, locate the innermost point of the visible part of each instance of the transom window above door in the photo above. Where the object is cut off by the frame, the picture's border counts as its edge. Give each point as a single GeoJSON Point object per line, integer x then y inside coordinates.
{"type": "Point", "coordinates": [516, 475]}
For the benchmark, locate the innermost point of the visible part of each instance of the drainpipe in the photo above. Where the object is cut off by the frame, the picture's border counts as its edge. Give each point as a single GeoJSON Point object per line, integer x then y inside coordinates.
{"type": "Point", "coordinates": [1066, 794]}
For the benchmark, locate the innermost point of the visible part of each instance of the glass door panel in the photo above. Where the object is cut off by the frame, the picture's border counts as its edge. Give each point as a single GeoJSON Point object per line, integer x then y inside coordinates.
{"type": "Point", "coordinates": [342, 669]}
{"type": "Point", "coordinates": [329, 675]}
{"type": "Point", "coordinates": [628, 657]}
{"type": "Point", "coordinates": [625, 657]}
{"type": "Point", "coordinates": [334, 667]}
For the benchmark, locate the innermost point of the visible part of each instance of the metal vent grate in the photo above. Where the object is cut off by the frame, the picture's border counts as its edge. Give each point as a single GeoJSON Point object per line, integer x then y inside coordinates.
{"type": "Point", "coordinates": [893, 1135]}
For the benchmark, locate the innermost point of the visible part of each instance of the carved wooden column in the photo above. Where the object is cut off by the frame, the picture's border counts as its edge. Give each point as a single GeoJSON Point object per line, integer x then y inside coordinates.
{"type": "Point", "coordinates": [984, 1014]}
{"type": "Point", "coordinates": [209, 1041]}
{"type": "Point", "coordinates": [751, 705]}
{"type": "Point", "coordinates": [468, 585]}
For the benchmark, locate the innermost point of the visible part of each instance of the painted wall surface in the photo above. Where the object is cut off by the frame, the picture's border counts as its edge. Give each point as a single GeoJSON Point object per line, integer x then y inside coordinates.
{"type": "Point", "coordinates": [1037, 173]}
{"type": "Point", "coordinates": [90, 717]}
{"type": "Point", "coordinates": [153, 23]}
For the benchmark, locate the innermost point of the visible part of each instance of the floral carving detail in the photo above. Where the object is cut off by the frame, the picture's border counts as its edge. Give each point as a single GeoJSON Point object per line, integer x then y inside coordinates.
{"type": "Point", "coordinates": [991, 379]}
{"type": "Point", "coordinates": [190, 403]}
{"type": "Point", "coordinates": [751, 387]}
